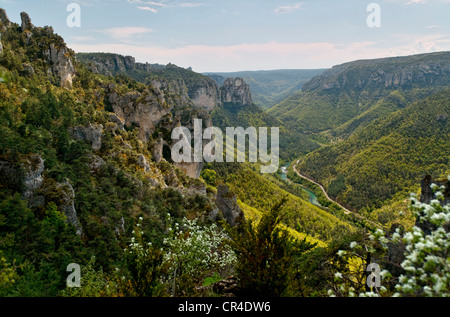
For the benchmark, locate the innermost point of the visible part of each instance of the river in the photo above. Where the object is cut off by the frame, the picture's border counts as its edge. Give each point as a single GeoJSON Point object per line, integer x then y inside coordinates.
{"type": "Point", "coordinates": [312, 197]}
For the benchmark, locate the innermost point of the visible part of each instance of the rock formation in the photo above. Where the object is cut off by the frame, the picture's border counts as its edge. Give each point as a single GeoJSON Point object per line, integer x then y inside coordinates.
{"type": "Point", "coordinates": [32, 179]}
{"type": "Point", "coordinates": [386, 73]}
{"type": "Point", "coordinates": [4, 23]}
{"type": "Point", "coordinates": [26, 22]}
{"type": "Point", "coordinates": [67, 204]}
{"type": "Point", "coordinates": [61, 64]}
{"type": "Point", "coordinates": [144, 110]}
{"type": "Point", "coordinates": [205, 96]}
{"type": "Point", "coordinates": [158, 148]}
{"type": "Point", "coordinates": [226, 201]}
{"type": "Point", "coordinates": [91, 132]}
{"type": "Point", "coordinates": [236, 91]}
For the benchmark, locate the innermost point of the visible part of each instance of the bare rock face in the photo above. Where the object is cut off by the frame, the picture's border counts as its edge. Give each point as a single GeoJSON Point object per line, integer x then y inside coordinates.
{"type": "Point", "coordinates": [117, 120]}
{"type": "Point", "coordinates": [144, 110]}
{"type": "Point", "coordinates": [190, 169]}
{"type": "Point", "coordinates": [142, 162]}
{"type": "Point", "coordinates": [67, 205]}
{"type": "Point", "coordinates": [237, 91]}
{"type": "Point", "coordinates": [158, 149]}
{"type": "Point", "coordinates": [61, 64]}
{"type": "Point", "coordinates": [205, 97]}
{"type": "Point", "coordinates": [4, 20]}
{"type": "Point", "coordinates": [32, 180]}
{"type": "Point", "coordinates": [26, 22]}
{"type": "Point", "coordinates": [226, 201]}
{"type": "Point", "coordinates": [4, 23]}
{"type": "Point", "coordinates": [91, 132]}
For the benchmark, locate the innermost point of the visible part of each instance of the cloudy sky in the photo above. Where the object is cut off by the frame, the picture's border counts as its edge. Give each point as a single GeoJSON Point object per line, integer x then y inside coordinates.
{"type": "Point", "coordinates": [233, 35]}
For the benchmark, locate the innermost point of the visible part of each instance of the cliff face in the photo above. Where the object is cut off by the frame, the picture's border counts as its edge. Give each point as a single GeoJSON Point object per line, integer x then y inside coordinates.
{"type": "Point", "coordinates": [57, 55]}
{"type": "Point", "coordinates": [236, 91]}
{"type": "Point", "coordinates": [109, 64]}
{"type": "Point", "coordinates": [386, 73]}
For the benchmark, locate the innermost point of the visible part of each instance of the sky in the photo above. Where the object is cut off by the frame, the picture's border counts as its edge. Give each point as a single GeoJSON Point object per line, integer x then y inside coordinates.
{"type": "Point", "coordinates": [238, 35]}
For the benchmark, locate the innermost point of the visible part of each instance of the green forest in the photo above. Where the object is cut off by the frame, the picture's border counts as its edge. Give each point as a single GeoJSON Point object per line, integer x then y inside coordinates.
{"type": "Point", "coordinates": [81, 185]}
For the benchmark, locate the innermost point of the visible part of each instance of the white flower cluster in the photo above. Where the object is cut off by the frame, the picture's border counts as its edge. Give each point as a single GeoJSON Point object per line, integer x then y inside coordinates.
{"type": "Point", "coordinates": [427, 261]}
{"type": "Point", "coordinates": [193, 248]}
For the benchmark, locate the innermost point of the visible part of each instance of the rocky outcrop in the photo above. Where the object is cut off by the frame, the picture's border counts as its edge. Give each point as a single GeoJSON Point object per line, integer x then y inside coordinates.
{"type": "Point", "coordinates": [158, 149]}
{"type": "Point", "coordinates": [118, 121]}
{"type": "Point", "coordinates": [32, 179]}
{"type": "Point", "coordinates": [96, 163]}
{"type": "Point", "coordinates": [91, 132]}
{"type": "Point", "coordinates": [236, 91]}
{"type": "Point", "coordinates": [110, 64]}
{"type": "Point", "coordinates": [26, 22]}
{"type": "Point", "coordinates": [205, 96]}
{"type": "Point", "coordinates": [61, 64]}
{"type": "Point", "coordinates": [67, 204]}
{"type": "Point", "coordinates": [423, 70]}
{"type": "Point", "coordinates": [192, 169]}
{"type": "Point", "coordinates": [4, 21]}
{"type": "Point", "coordinates": [138, 109]}
{"type": "Point", "coordinates": [226, 201]}
{"type": "Point", "coordinates": [143, 163]}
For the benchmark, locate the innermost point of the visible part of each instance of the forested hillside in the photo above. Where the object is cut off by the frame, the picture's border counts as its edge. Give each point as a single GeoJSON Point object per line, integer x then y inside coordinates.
{"type": "Point", "coordinates": [351, 95]}
{"type": "Point", "coordinates": [390, 156]}
{"type": "Point", "coordinates": [88, 179]}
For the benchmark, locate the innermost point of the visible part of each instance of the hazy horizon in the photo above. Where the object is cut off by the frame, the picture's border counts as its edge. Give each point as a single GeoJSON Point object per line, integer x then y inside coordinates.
{"type": "Point", "coordinates": [230, 36]}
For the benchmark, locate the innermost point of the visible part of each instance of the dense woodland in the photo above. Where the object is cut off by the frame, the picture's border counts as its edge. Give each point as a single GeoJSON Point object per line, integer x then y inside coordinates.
{"type": "Point", "coordinates": [142, 239]}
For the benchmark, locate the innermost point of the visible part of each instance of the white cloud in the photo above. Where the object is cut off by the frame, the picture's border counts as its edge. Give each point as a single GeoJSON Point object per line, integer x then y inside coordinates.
{"type": "Point", "coordinates": [288, 8]}
{"type": "Point", "coordinates": [125, 33]}
{"type": "Point", "coordinates": [415, 2]}
{"type": "Point", "coordinates": [272, 55]}
{"type": "Point", "coordinates": [155, 6]}
{"type": "Point", "coordinates": [148, 9]}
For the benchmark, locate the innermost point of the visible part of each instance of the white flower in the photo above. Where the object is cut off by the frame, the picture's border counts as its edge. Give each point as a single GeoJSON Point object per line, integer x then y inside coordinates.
{"type": "Point", "coordinates": [341, 253]}
{"type": "Point", "coordinates": [338, 275]}
{"type": "Point", "coordinates": [353, 244]}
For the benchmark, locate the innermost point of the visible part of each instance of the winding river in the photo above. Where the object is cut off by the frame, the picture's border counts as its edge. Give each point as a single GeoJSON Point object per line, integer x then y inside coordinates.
{"type": "Point", "coordinates": [312, 197]}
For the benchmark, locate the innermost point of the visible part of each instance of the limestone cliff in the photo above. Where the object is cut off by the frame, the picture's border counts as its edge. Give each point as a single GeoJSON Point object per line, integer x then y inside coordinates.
{"type": "Point", "coordinates": [236, 91]}
{"type": "Point", "coordinates": [386, 73]}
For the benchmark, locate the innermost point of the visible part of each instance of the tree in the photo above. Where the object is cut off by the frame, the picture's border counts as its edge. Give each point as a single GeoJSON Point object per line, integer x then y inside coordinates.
{"type": "Point", "coordinates": [265, 253]}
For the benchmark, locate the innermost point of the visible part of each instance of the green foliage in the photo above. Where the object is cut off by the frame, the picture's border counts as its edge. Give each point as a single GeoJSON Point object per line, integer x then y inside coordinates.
{"type": "Point", "coordinates": [382, 160]}
{"type": "Point", "coordinates": [425, 264]}
{"type": "Point", "coordinates": [299, 214]}
{"type": "Point", "coordinates": [265, 254]}
{"type": "Point", "coordinates": [144, 263]}
{"type": "Point", "coordinates": [209, 176]}
{"type": "Point", "coordinates": [292, 141]}
{"type": "Point", "coordinates": [195, 253]}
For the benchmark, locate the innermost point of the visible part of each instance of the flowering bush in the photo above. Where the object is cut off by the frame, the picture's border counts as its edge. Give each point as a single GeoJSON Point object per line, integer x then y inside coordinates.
{"type": "Point", "coordinates": [426, 264]}
{"type": "Point", "coordinates": [193, 253]}
{"type": "Point", "coordinates": [144, 264]}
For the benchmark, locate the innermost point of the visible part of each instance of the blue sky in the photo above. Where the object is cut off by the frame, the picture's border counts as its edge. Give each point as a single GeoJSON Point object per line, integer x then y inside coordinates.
{"type": "Point", "coordinates": [233, 35]}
